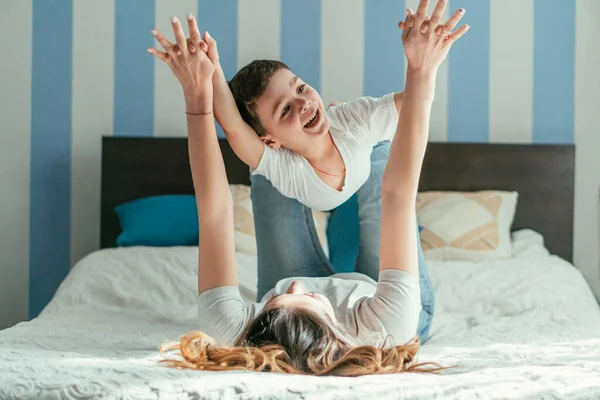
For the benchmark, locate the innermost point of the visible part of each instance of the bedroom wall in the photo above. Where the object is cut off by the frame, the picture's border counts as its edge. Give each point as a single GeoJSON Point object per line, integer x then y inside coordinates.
{"type": "Point", "coordinates": [73, 71]}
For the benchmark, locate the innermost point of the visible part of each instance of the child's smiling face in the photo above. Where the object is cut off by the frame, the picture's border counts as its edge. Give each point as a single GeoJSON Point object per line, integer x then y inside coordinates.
{"type": "Point", "coordinates": [291, 111]}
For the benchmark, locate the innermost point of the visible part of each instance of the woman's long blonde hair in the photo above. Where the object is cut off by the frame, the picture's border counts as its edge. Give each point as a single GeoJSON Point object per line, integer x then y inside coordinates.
{"type": "Point", "coordinates": [294, 341]}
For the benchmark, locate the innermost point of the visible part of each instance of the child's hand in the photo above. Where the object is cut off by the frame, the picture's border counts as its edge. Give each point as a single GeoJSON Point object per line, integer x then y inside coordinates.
{"type": "Point", "coordinates": [211, 49]}
{"type": "Point", "coordinates": [426, 40]}
{"type": "Point", "coordinates": [192, 68]}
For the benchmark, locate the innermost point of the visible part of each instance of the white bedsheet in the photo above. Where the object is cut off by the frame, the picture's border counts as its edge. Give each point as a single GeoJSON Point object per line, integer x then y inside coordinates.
{"type": "Point", "coordinates": [524, 328]}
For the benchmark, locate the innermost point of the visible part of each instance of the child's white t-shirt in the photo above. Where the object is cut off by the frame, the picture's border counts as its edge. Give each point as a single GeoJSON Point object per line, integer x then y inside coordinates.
{"type": "Point", "coordinates": [355, 126]}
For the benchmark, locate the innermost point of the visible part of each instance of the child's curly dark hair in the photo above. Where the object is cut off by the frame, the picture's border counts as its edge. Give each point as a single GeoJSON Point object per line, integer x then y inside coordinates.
{"type": "Point", "coordinates": [248, 84]}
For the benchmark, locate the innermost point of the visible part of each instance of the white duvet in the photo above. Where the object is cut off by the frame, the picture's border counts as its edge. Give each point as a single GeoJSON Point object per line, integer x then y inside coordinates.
{"type": "Point", "coordinates": [524, 328]}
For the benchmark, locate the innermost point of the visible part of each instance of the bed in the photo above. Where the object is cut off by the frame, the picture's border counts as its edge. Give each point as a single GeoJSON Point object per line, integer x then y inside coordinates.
{"type": "Point", "coordinates": [527, 327]}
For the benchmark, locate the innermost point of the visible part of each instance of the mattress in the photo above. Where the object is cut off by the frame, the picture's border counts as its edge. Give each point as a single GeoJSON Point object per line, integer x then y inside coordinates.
{"type": "Point", "coordinates": [523, 328]}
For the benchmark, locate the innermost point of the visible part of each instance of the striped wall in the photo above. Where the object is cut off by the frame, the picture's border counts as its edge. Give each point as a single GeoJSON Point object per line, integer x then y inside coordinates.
{"type": "Point", "coordinates": [74, 70]}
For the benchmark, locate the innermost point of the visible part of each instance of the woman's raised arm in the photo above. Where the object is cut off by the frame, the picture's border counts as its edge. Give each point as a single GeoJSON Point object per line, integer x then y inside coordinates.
{"type": "Point", "coordinates": [426, 44]}
{"type": "Point", "coordinates": [194, 70]}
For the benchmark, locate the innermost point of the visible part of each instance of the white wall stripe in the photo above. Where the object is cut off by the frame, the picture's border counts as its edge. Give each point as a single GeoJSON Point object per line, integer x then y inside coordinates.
{"type": "Point", "coordinates": [511, 71]}
{"type": "Point", "coordinates": [342, 50]}
{"type": "Point", "coordinates": [15, 114]}
{"type": "Point", "coordinates": [587, 167]}
{"type": "Point", "coordinates": [258, 40]}
{"type": "Point", "coordinates": [93, 73]}
{"type": "Point", "coordinates": [169, 105]}
{"type": "Point", "coordinates": [438, 127]}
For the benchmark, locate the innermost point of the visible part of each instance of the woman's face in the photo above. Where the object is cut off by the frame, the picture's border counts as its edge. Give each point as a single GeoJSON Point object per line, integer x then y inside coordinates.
{"type": "Point", "coordinates": [297, 296]}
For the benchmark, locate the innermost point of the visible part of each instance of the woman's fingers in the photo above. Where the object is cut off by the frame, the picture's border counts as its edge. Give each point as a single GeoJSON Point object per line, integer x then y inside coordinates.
{"type": "Point", "coordinates": [436, 16]}
{"type": "Point", "coordinates": [195, 36]}
{"type": "Point", "coordinates": [161, 55]}
{"type": "Point", "coordinates": [453, 20]}
{"type": "Point", "coordinates": [182, 45]}
{"type": "Point", "coordinates": [453, 37]}
{"type": "Point", "coordinates": [179, 35]}
{"type": "Point", "coordinates": [421, 15]}
{"type": "Point", "coordinates": [422, 9]}
{"type": "Point", "coordinates": [164, 42]}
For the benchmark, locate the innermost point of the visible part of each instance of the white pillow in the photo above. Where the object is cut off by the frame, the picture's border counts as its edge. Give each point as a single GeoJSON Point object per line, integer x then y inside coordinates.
{"type": "Point", "coordinates": [245, 235]}
{"type": "Point", "coordinates": [466, 226]}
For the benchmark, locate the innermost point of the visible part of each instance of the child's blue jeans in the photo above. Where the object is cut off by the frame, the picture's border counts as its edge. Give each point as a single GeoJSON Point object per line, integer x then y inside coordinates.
{"type": "Point", "coordinates": [288, 246]}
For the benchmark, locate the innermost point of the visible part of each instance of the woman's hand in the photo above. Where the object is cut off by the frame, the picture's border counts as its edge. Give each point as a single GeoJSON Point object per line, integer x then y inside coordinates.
{"type": "Point", "coordinates": [193, 68]}
{"type": "Point", "coordinates": [426, 40]}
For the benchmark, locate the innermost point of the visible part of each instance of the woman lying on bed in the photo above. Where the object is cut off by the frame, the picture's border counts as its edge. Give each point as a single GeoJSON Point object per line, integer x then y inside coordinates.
{"type": "Point", "coordinates": [343, 324]}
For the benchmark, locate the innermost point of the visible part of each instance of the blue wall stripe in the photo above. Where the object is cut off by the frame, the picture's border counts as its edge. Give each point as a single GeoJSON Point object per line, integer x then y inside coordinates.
{"type": "Point", "coordinates": [50, 207]}
{"type": "Point", "coordinates": [220, 19]}
{"type": "Point", "coordinates": [301, 39]}
{"type": "Point", "coordinates": [134, 68]}
{"type": "Point", "coordinates": [554, 72]}
{"type": "Point", "coordinates": [469, 75]}
{"type": "Point", "coordinates": [384, 56]}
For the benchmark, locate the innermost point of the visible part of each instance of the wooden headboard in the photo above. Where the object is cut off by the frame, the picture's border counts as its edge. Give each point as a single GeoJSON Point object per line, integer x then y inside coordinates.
{"type": "Point", "coordinates": [543, 175]}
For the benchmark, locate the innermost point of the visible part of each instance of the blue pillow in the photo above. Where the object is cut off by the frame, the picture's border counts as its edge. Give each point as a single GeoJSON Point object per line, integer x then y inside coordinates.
{"type": "Point", "coordinates": [169, 220]}
{"type": "Point", "coordinates": [343, 236]}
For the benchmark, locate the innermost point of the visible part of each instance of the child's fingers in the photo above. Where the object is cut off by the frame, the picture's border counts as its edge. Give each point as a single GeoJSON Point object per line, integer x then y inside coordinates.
{"type": "Point", "coordinates": [425, 25]}
{"type": "Point", "coordinates": [402, 24]}
{"type": "Point", "coordinates": [453, 37]}
{"type": "Point", "coordinates": [409, 24]}
{"type": "Point", "coordinates": [410, 20]}
{"type": "Point", "coordinates": [191, 46]}
{"type": "Point", "coordinates": [212, 52]}
{"type": "Point", "coordinates": [209, 39]}
{"type": "Point", "coordinates": [195, 36]}
{"type": "Point", "coordinates": [203, 46]}
{"type": "Point", "coordinates": [161, 55]}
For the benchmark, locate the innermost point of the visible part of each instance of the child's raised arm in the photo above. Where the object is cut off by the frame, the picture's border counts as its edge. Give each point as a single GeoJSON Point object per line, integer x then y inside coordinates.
{"type": "Point", "coordinates": [243, 140]}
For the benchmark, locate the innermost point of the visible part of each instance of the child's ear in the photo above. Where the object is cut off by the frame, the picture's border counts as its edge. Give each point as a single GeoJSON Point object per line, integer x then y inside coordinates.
{"type": "Point", "coordinates": [269, 141]}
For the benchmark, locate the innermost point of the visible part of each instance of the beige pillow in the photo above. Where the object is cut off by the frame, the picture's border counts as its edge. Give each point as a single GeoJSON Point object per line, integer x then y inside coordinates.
{"type": "Point", "coordinates": [466, 226]}
{"type": "Point", "coordinates": [243, 218]}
